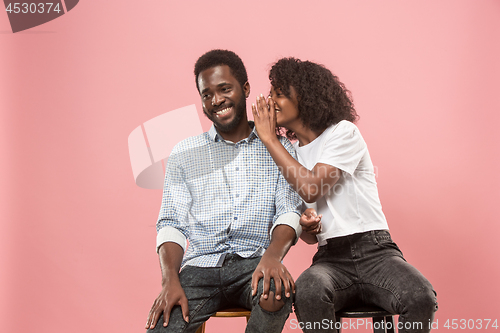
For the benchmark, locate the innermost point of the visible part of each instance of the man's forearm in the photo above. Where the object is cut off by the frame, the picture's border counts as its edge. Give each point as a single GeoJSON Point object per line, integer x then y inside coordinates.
{"type": "Point", "coordinates": [170, 255]}
{"type": "Point", "coordinates": [270, 266]}
{"type": "Point", "coordinates": [282, 239]}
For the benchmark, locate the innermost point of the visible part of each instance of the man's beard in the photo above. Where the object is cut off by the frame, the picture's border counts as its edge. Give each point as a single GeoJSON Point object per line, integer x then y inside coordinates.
{"type": "Point", "coordinates": [239, 113]}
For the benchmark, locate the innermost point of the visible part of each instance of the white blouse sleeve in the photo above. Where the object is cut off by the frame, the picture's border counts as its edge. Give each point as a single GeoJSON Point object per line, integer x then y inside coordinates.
{"type": "Point", "coordinates": [343, 147]}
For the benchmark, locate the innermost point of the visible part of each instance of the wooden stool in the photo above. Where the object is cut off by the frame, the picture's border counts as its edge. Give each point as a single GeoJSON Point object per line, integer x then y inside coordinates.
{"type": "Point", "coordinates": [235, 312]}
{"type": "Point", "coordinates": [381, 318]}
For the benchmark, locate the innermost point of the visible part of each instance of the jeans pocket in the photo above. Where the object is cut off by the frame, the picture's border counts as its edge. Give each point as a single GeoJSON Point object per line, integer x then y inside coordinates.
{"type": "Point", "coordinates": [384, 241]}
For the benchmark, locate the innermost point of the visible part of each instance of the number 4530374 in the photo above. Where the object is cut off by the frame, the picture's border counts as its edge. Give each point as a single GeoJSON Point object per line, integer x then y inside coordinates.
{"type": "Point", "coordinates": [470, 324]}
{"type": "Point", "coordinates": [32, 8]}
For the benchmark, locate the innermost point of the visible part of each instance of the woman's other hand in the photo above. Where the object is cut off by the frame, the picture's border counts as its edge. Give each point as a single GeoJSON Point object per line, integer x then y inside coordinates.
{"type": "Point", "coordinates": [311, 221]}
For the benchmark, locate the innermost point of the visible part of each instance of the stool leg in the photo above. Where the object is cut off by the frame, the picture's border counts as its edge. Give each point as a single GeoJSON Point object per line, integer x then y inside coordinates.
{"type": "Point", "coordinates": [389, 320]}
{"type": "Point", "coordinates": [338, 323]}
{"type": "Point", "coordinates": [380, 323]}
{"type": "Point", "coordinates": [201, 329]}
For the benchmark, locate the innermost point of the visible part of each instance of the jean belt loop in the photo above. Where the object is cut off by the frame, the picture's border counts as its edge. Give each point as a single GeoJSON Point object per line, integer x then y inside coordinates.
{"type": "Point", "coordinates": [374, 236]}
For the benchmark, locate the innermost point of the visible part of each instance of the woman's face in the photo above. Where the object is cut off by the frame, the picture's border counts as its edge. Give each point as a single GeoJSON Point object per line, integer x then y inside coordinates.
{"type": "Point", "coordinates": [287, 109]}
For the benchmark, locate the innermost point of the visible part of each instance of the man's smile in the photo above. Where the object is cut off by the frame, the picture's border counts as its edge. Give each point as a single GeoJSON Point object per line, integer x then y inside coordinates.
{"type": "Point", "coordinates": [223, 111]}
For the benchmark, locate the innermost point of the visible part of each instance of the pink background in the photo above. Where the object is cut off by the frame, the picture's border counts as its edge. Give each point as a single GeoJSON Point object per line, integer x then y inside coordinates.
{"type": "Point", "coordinates": [77, 237]}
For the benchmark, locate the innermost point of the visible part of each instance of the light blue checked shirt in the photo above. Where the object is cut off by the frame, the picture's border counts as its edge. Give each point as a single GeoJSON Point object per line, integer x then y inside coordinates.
{"type": "Point", "coordinates": [224, 197]}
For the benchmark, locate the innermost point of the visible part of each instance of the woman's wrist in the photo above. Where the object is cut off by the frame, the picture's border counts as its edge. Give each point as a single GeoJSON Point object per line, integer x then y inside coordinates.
{"type": "Point", "coordinates": [270, 140]}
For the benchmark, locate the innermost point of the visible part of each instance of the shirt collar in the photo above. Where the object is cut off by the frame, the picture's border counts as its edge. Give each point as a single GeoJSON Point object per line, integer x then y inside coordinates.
{"type": "Point", "coordinates": [215, 136]}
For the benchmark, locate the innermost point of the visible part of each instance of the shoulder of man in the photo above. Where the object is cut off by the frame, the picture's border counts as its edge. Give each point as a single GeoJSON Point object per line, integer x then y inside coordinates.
{"type": "Point", "coordinates": [287, 144]}
{"type": "Point", "coordinates": [193, 142]}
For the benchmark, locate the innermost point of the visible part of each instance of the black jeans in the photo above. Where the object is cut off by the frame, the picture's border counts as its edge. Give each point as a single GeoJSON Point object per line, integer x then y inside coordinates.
{"type": "Point", "coordinates": [363, 269]}
{"type": "Point", "coordinates": [215, 288]}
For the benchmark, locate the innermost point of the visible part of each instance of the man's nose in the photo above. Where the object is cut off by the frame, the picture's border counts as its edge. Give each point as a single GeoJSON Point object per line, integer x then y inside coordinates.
{"type": "Point", "coordinates": [218, 99]}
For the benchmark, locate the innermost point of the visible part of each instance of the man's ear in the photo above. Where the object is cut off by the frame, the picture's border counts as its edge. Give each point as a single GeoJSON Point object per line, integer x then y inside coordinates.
{"type": "Point", "coordinates": [246, 89]}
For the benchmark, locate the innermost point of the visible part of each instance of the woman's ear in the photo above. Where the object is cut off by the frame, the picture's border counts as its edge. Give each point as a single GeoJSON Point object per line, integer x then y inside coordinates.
{"type": "Point", "coordinates": [294, 95]}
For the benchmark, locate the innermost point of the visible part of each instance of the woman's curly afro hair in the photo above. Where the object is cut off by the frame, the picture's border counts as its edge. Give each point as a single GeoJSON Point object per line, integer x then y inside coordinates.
{"type": "Point", "coordinates": [322, 99]}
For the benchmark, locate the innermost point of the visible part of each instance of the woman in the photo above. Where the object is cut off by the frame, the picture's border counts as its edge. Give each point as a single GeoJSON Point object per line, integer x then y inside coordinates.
{"type": "Point", "coordinates": [357, 262]}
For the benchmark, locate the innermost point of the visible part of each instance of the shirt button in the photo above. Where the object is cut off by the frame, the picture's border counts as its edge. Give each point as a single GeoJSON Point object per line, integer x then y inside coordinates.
{"type": "Point", "coordinates": [237, 168]}
{"type": "Point", "coordinates": [235, 217]}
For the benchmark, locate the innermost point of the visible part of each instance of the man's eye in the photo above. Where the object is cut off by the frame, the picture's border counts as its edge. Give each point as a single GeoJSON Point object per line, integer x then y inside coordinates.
{"type": "Point", "coordinates": [205, 96]}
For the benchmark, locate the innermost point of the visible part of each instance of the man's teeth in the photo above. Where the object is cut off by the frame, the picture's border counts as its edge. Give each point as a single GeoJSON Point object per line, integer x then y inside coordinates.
{"type": "Point", "coordinates": [221, 112]}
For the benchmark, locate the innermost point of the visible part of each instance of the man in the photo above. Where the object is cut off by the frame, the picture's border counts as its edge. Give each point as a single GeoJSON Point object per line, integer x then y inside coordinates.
{"type": "Point", "coordinates": [224, 194]}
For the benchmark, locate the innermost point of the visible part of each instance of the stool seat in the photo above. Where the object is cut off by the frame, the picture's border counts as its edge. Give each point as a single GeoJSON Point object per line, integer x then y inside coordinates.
{"type": "Point", "coordinates": [383, 321]}
{"type": "Point", "coordinates": [363, 312]}
{"type": "Point", "coordinates": [232, 312]}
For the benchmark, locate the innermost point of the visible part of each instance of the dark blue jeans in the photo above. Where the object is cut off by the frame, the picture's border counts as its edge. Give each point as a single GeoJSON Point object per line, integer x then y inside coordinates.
{"type": "Point", "coordinates": [215, 288]}
{"type": "Point", "coordinates": [363, 269]}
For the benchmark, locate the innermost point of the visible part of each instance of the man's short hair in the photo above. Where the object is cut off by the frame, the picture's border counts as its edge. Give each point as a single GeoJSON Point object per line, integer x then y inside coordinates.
{"type": "Point", "coordinates": [218, 58]}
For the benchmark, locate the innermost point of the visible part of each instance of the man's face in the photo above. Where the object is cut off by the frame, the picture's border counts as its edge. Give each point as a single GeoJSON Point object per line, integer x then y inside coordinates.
{"type": "Point", "coordinates": [223, 98]}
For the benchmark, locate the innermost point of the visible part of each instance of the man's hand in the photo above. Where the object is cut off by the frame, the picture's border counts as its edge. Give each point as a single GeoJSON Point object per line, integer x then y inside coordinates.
{"type": "Point", "coordinates": [169, 296]}
{"type": "Point", "coordinates": [311, 222]}
{"type": "Point", "coordinates": [172, 293]}
{"type": "Point", "coordinates": [272, 268]}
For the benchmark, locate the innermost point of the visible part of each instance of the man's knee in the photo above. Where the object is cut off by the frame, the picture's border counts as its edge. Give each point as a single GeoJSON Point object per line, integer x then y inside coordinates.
{"type": "Point", "coordinates": [271, 304]}
{"type": "Point", "coordinates": [310, 287]}
{"type": "Point", "coordinates": [423, 299]}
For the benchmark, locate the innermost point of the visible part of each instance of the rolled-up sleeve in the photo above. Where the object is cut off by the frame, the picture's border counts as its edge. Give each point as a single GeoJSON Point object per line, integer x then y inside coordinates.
{"type": "Point", "coordinates": [170, 234]}
{"type": "Point", "coordinates": [172, 225]}
{"type": "Point", "coordinates": [290, 219]}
